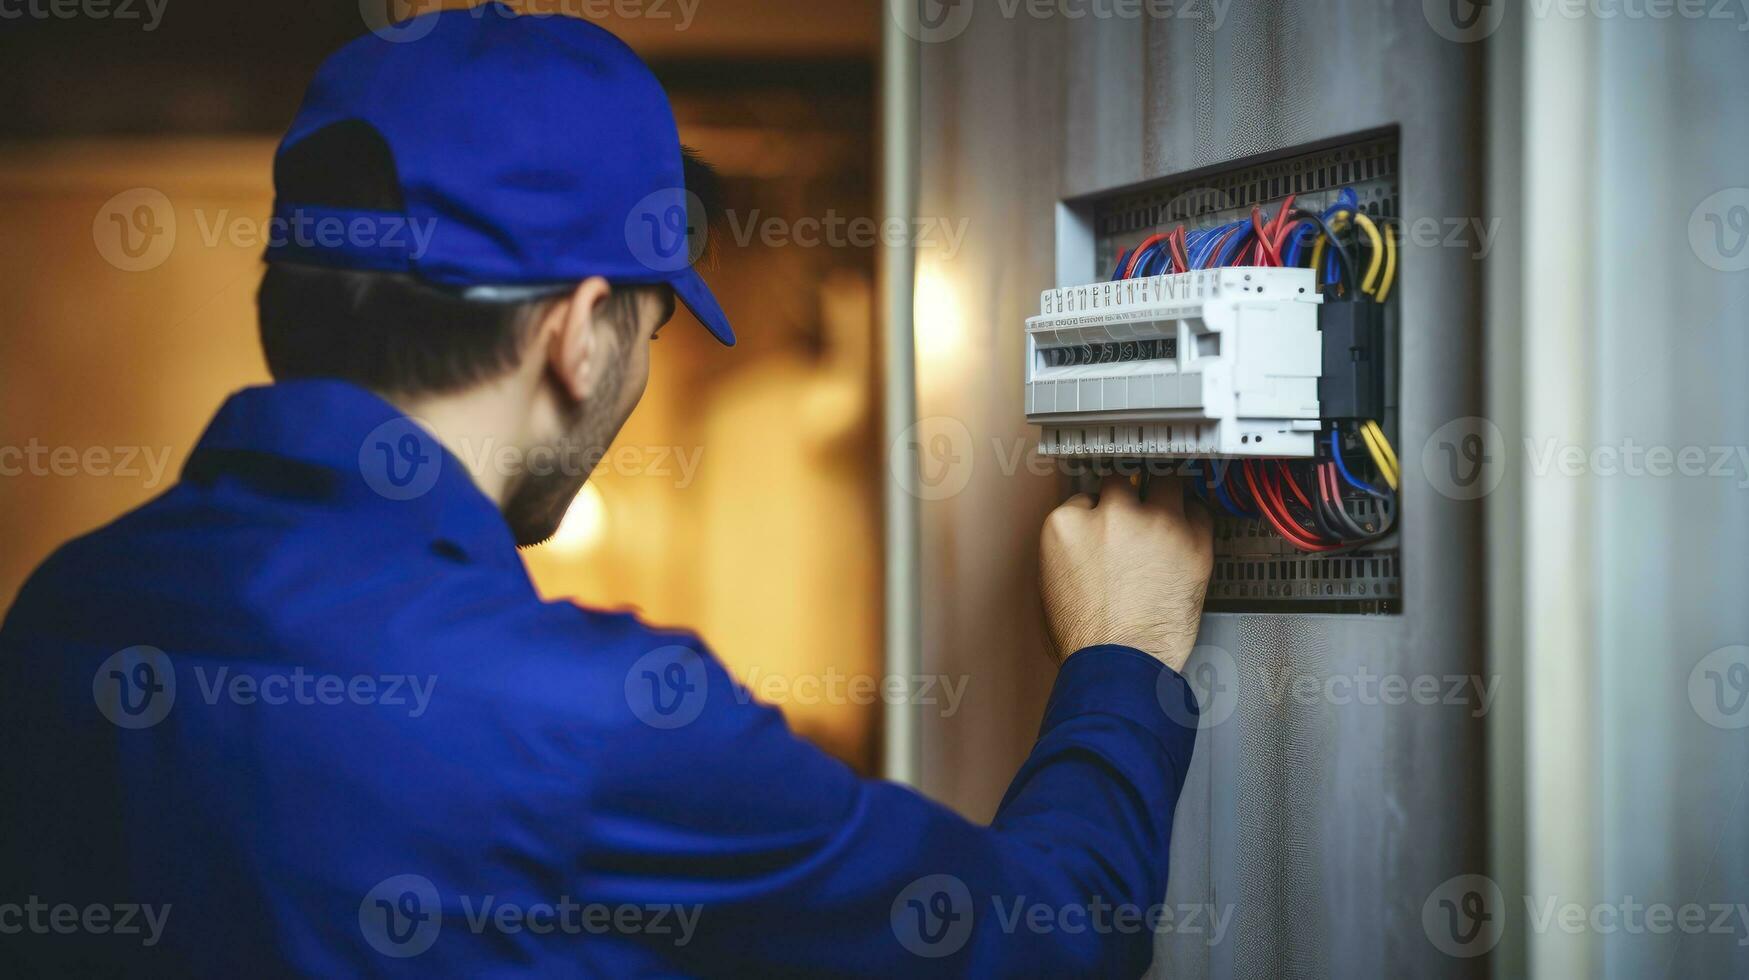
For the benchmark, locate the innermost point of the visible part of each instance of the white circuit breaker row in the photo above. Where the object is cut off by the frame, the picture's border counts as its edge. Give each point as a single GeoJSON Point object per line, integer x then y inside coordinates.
{"type": "Point", "coordinates": [1218, 362]}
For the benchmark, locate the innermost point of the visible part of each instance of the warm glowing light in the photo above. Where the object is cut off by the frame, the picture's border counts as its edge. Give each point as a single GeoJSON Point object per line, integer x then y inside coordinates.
{"type": "Point", "coordinates": [584, 526]}
{"type": "Point", "coordinates": [940, 319]}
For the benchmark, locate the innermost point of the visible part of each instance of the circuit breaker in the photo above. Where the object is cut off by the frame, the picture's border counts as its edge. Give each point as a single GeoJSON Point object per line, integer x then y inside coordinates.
{"type": "Point", "coordinates": [1239, 325]}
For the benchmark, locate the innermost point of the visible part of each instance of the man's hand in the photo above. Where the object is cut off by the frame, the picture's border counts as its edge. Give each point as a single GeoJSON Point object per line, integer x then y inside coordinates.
{"type": "Point", "coordinates": [1118, 570]}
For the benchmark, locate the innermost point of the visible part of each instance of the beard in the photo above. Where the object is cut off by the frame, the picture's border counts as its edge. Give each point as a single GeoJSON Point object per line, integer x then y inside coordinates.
{"type": "Point", "coordinates": [536, 504]}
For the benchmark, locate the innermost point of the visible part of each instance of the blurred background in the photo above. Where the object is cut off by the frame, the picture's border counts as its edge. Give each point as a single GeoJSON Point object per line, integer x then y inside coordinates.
{"type": "Point", "coordinates": [755, 466]}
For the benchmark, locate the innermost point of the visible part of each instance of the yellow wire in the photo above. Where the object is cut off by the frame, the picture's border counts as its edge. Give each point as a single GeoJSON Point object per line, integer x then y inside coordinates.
{"type": "Point", "coordinates": [1378, 456]}
{"type": "Point", "coordinates": [1390, 278]}
{"type": "Point", "coordinates": [1318, 252]}
{"type": "Point", "coordinates": [1385, 444]}
{"type": "Point", "coordinates": [1372, 233]}
{"type": "Point", "coordinates": [1369, 284]}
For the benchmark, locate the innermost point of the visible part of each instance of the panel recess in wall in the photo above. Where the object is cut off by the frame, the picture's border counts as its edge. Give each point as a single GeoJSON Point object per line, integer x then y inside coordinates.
{"type": "Point", "coordinates": [1256, 568]}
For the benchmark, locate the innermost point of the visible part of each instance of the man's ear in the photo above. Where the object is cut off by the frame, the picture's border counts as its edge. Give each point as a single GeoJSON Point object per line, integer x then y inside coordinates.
{"type": "Point", "coordinates": [581, 337]}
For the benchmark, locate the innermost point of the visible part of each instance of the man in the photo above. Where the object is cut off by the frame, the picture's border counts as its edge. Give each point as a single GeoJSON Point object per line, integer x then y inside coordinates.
{"type": "Point", "coordinates": [305, 713]}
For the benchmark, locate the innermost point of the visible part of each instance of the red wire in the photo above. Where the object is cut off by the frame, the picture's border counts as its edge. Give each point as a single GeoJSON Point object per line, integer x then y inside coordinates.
{"type": "Point", "coordinates": [1136, 257]}
{"type": "Point", "coordinates": [1280, 226]}
{"type": "Point", "coordinates": [1264, 248]}
{"type": "Point", "coordinates": [1179, 241]}
{"type": "Point", "coordinates": [1294, 485]}
{"type": "Point", "coordinates": [1287, 528]}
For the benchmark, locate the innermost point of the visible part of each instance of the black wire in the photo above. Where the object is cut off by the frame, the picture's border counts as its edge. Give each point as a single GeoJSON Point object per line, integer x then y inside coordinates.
{"type": "Point", "coordinates": [1344, 261]}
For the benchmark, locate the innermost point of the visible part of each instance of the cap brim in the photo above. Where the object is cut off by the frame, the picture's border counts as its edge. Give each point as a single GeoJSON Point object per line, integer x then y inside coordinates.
{"type": "Point", "coordinates": [690, 287]}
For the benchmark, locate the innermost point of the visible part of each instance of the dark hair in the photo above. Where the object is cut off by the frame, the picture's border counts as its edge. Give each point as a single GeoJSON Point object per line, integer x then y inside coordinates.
{"type": "Point", "coordinates": [393, 332]}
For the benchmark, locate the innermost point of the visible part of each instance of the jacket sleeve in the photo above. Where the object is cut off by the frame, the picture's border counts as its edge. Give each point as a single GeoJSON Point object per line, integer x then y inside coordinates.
{"type": "Point", "coordinates": [777, 859]}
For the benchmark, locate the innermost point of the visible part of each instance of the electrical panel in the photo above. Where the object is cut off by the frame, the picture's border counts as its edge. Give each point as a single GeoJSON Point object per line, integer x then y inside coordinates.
{"type": "Point", "coordinates": [1219, 362]}
{"type": "Point", "coordinates": [1240, 329]}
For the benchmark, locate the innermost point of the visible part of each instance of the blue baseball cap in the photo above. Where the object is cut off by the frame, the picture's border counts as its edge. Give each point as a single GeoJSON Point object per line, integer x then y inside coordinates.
{"type": "Point", "coordinates": [533, 152]}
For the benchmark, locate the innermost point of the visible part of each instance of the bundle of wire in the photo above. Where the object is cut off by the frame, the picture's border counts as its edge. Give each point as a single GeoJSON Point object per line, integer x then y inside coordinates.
{"type": "Point", "coordinates": [1276, 491]}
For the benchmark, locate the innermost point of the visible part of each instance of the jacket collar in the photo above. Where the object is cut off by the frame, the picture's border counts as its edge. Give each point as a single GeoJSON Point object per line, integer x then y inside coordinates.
{"type": "Point", "coordinates": [370, 454]}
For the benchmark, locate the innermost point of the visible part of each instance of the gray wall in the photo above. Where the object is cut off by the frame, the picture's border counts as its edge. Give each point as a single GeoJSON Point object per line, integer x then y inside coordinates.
{"type": "Point", "coordinates": [1621, 776]}
{"type": "Point", "coordinates": [1320, 825]}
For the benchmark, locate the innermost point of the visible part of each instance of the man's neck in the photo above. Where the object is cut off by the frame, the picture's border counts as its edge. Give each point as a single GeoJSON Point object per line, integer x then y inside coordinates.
{"type": "Point", "coordinates": [483, 427]}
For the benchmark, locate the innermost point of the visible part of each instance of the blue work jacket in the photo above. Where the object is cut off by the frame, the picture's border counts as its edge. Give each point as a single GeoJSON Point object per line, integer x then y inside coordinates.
{"type": "Point", "coordinates": [305, 713]}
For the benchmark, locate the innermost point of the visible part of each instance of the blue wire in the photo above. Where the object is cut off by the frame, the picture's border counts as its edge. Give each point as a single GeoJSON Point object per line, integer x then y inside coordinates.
{"type": "Point", "coordinates": [1292, 257]}
{"type": "Point", "coordinates": [1149, 254]}
{"type": "Point", "coordinates": [1227, 501]}
{"type": "Point", "coordinates": [1346, 200]}
{"type": "Point", "coordinates": [1233, 245]}
{"type": "Point", "coordinates": [1342, 467]}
